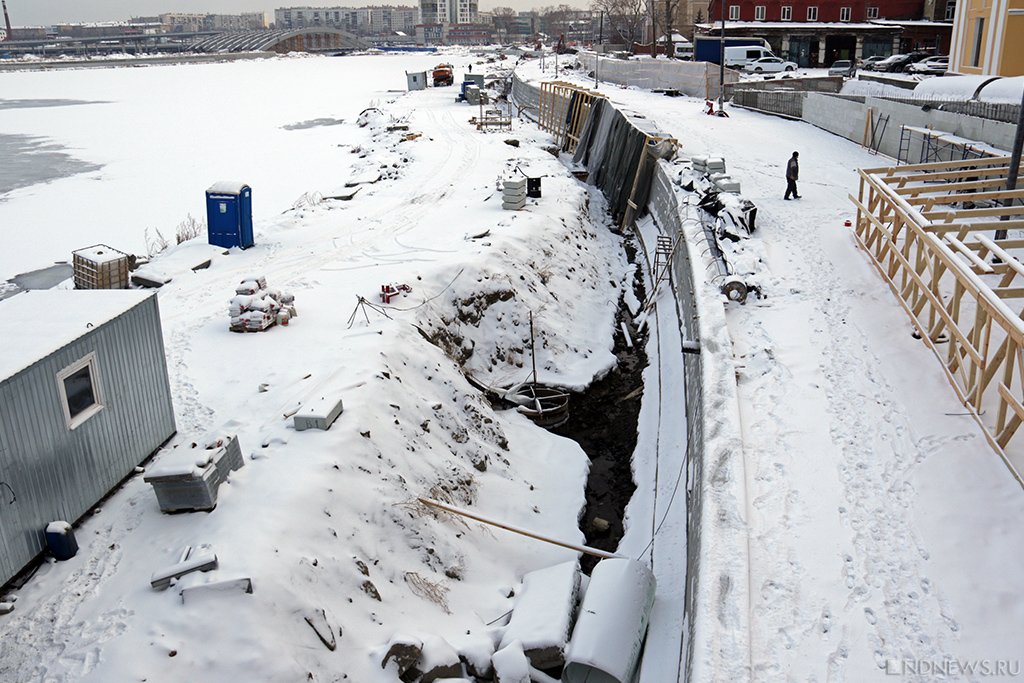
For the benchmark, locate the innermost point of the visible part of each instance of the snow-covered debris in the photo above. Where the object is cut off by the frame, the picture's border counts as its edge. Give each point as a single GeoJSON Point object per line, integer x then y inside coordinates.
{"type": "Point", "coordinates": [544, 612]}
{"type": "Point", "coordinates": [438, 660]}
{"type": "Point", "coordinates": [403, 653]}
{"type": "Point", "coordinates": [510, 664]}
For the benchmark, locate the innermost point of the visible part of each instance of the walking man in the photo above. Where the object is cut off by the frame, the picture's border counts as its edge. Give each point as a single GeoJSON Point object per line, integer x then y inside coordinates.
{"type": "Point", "coordinates": [792, 174]}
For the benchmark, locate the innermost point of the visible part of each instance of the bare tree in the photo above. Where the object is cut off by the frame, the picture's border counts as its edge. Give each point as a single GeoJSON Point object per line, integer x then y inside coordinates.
{"type": "Point", "coordinates": [504, 19]}
{"type": "Point", "coordinates": [624, 17]}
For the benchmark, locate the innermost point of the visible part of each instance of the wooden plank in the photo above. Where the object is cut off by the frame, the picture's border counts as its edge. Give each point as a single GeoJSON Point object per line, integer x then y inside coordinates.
{"type": "Point", "coordinates": [977, 226]}
{"type": "Point", "coordinates": [954, 175]}
{"type": "Point", "coordinates": [1018, 414]}
{"type": "Point", "coordinates": [940, 165]}
{"type": "Point", "coordinates": [950, 187]}
{"type": "Point", "coordinates": [972, 258]}
{"type": "Point", "coordinates": [972, 197]}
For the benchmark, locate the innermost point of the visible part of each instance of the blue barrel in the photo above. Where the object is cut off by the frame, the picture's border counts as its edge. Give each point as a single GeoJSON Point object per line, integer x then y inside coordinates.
{"type": "Point", "coordinates": [60, 539]}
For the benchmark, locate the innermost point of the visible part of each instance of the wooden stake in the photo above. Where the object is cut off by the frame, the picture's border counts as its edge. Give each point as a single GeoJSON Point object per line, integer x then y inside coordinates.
{"type": "Point", "coordinates": [516, 530]}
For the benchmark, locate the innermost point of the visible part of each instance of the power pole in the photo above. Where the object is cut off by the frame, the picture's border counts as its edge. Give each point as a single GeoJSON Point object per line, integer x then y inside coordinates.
{"type": "Point", "coordinates": [721, 63]}
{"type": "Point", "coordinates": [1011, 177]}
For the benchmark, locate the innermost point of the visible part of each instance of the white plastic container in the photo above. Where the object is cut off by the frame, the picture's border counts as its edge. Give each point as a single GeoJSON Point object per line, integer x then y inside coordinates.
{"type": "Point", "coordinates": [605, 644]}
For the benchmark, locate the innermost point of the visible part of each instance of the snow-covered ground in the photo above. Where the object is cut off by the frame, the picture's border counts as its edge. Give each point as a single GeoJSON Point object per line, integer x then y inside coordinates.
{"type": "Point", "coordinates": [882, 528]}
{"type": "Point", "coordinates": [882, 531]}
{"type": "Point", "coordinates": [320, 520]}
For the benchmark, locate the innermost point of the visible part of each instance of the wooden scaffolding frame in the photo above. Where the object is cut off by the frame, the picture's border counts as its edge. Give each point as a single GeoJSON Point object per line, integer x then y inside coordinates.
{"type": "Point", "coordinates": [927, 230]}
{"type": "Point", "coordinates": [554, 115]}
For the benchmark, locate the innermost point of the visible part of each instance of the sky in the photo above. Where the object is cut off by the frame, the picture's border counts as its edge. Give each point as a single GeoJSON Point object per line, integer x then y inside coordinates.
{"type": "Point", "coordinates": [44, 12]}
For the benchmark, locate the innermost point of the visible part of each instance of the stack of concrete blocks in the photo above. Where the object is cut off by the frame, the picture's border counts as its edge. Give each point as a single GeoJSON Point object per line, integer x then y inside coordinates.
{"type": "Point", "coordinates": [194, 486]}
{"type": "Point", "coordinates": [513, 193]}
{"type": "Point", "coordinates": [725, 183]}
{"type": "Point", "coordinates": [714, 168]}
{"type": "Point", "coordinates": [705, 164]}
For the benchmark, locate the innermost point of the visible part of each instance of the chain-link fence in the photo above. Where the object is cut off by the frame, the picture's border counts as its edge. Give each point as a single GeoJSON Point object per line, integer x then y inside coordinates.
{"type": "Point", "coordinates": [787, 103]}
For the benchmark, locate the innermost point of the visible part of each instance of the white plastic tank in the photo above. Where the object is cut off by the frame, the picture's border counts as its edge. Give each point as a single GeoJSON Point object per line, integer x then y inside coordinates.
{"type": "Point", "coordinates": [605, 645]}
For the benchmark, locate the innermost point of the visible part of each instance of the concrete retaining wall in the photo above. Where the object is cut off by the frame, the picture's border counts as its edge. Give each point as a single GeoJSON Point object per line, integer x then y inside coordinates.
{"type": "Point", "coordinates": [846, 118]}
{"type": "Point", "coordinates": [696, 79]}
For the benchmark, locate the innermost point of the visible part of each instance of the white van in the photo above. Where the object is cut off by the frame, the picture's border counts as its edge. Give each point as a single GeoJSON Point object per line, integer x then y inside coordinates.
{"type": "Point", "coordinates": [739, 57]}
{"type": "Point", "coordinates": [683, 51]}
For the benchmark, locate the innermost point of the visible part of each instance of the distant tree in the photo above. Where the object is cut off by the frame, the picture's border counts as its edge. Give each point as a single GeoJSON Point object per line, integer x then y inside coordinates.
{"type": "Point", "coordinates": [504, 20]}
{"type": "Point", "coordinates": [623, 17]}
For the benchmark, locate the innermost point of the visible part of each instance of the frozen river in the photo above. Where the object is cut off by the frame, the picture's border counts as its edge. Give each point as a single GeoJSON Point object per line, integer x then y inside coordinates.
{"type": "Point", "coordinates": [103, 155]}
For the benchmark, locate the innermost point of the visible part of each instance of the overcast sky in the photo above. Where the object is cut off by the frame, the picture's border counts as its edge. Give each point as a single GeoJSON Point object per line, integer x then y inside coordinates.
{"type": "Point", "coordinates": [43, 12]}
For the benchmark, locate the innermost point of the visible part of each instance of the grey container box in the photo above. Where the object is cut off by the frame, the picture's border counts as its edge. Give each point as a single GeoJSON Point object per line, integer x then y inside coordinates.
{"type": "Point", "coordinates": [319, 413]}
{"type": "Point", "coordinates": [195, 487]}
{"type": "Point", "coordinates": [190, 488]}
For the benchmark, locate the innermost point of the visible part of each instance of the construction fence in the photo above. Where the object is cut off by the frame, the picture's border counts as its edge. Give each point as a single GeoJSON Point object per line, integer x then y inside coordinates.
{"type": "Point", "coordinates": [928, 230]}
{"type": "Point", "coordinates": [624, 157]}
{"type": "Point", "coordinates": [782, 102]}
{"type": "Point", "coordinates": [696, 79]}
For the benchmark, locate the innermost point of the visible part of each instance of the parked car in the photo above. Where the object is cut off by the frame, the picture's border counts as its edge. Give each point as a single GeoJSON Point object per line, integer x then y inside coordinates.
{"type": "Point", "coordinates": [770, 65]}
{"type": "Point", "coordinates": [868, 64]}
{"type": "Point", "coordinates": [842, 67]}
{"type": "Point", "coordinates": [898, 63]}
{"type": "Point", "coordinates": [932, 66]}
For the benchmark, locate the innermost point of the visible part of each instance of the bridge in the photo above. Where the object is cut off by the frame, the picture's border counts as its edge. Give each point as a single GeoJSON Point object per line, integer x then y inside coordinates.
{"type": "Point", "coordinates": [309, 39]}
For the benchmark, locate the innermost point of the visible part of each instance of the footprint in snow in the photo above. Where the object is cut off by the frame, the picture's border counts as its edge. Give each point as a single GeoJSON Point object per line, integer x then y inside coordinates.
{"type": "Point", "coordinates": [869, 614]}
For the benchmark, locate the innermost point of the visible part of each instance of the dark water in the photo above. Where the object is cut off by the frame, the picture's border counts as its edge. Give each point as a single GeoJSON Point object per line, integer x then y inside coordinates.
{"type": "Point", "coordinates": [28, 160]}
{"type": "Point", "coordinates": [603, 421]}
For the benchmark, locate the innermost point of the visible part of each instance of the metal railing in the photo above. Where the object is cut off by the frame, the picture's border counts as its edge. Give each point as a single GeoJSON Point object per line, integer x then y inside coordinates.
{"type": "Point", "coordinates": [786, 103]}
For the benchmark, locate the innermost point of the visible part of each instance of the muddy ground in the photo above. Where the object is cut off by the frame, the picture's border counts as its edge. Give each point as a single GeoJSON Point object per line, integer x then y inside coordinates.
{"type": "Point", "coordinates": [603, 421]}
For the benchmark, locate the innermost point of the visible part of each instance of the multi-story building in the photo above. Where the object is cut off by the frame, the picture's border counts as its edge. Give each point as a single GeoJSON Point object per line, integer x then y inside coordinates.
{"type": "Point", "coordinates": [449, 11]}
{"type": "Point", "coordinates": [818, 32]}
{"type": "Point", "coordinates": [365, 21]}
{"type": "Point", "coordinates": [987, 38]}
{"type": "Point", "coordinates": [249, 21]}
{"type": "Point", "coordinates": [182, 23]}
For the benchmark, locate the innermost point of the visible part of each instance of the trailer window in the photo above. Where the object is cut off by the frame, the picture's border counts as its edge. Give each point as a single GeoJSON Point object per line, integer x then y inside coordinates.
{"type": "Point", "coordinates": [79, 391]}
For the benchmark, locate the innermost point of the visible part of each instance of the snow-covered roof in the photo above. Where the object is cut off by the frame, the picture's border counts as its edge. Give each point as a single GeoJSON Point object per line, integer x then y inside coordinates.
{"type": "Point", "coordinates": [802, 25]}
{"type": "Point", "coordinates": [912, 22]}
{"type": "Point", "coordinates": [37, 323]}
{"type": "Point", "coordinates": [1008, 90]}
{"type": "Point", "coordinates": [952, 87]}
{"type": "Point", "coordinates": [227, 187]}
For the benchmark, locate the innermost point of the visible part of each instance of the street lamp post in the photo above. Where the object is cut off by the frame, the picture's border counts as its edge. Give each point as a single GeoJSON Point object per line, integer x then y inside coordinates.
{"type": "Point", "coordinates": [721, 63]}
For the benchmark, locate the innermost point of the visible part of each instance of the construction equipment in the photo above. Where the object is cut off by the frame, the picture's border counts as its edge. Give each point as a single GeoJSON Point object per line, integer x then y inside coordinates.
{"type": "Point", "coordinates": [443, 74]}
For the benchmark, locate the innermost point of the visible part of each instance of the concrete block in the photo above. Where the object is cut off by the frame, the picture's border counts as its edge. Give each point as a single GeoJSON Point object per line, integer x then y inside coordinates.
{"type": "Point", "coordinates": [318, 413]}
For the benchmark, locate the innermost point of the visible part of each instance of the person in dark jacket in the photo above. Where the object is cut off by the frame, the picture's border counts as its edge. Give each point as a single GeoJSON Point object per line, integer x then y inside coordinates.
{"type": "Point", "coordinates": [792, 174]}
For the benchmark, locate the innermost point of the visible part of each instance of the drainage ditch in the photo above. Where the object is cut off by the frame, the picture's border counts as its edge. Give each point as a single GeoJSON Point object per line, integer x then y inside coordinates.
{"type": "Point", "coordinates": [603, 421]}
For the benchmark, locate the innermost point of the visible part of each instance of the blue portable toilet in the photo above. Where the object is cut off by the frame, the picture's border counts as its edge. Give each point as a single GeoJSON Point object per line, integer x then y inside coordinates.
{"type": "Point", "coordinates": [229, 214]}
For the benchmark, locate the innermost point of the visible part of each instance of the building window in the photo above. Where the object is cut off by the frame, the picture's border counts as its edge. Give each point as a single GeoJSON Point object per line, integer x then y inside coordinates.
{"type": "Point", "coordinates": [79, 390]}
{"type": "Point", "coordinates": [734, 12]}
{"type": "Point", "coordinates": [844, 14]}
{"type": "Point", "coordinates": [950, 10]}
{"type": "Point", "coordinates": [979, 35]}
{"type": "Point", "coordinates": [872, 12]}
{"type": "Point", "coordinates": [759, 13]}
{"type": "Point", "coordinates": [787, 13]}
{"type": "Point", "coordinates": [812, 14]}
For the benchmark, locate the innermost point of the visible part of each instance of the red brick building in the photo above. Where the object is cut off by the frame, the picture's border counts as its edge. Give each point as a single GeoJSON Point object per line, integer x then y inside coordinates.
{"type": "Point", "coordinates": [815, 33]}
